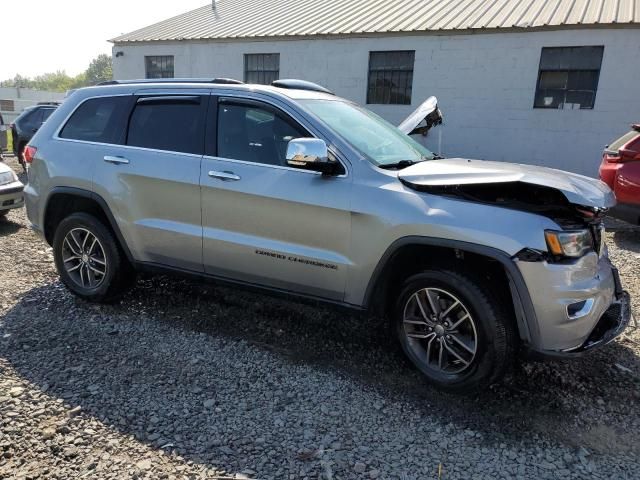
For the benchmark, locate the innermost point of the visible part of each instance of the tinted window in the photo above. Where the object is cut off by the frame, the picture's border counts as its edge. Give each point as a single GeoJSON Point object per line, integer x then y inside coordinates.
{"type": "Point", "coordinates": [390, 77]}
{"type": "Point", "coordinates": [34, 119]}
{"type": "Point", "coordinates": [568, 77]}
{"type": "Point", "coordinates": [255, 134]}
{"type": "Point", "coordinates": [175, 125]}
{"type": "Point", "coordinates": [98, 120]}
{"type": "Point", "coordinates": [623, 140]}
{"type": "Point", "coordinates": [46, 113]}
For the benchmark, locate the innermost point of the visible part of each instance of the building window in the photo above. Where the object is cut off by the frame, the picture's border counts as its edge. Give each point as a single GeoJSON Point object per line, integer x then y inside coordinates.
{"type": "Point", "coordinates": [262, 68]}
{"type": "Point", "coordinates": [568, 77]}
{"type": "Point", "coordinates": [390, 77]}
{"type": "Point", "coordinates": [7, 106]}
{"type": "Point", "coordinates": [159, 66]}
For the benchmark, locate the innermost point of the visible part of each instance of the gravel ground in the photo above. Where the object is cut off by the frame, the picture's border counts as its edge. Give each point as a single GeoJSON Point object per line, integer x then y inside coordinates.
{"type": "Point", "coordinates": [189, 380]}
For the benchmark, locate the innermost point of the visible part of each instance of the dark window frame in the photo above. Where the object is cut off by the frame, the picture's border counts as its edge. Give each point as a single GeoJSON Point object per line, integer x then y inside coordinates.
{"type": "Point", "coordinates": [151, 72]}
{"type": "Point", "coordinates": [272, 73]}
{"type": "Point", "coordinates": [384, 95]}
{"type": "Point", "coordinates": [570, 72]}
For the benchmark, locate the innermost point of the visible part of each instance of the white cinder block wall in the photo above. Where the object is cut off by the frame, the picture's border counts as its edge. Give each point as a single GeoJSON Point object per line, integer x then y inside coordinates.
{"type": "Point", "coordinates": [485, 84]}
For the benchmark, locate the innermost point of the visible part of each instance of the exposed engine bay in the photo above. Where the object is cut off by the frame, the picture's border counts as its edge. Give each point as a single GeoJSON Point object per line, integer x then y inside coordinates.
{"type": "Point", "coordinates": [538, 199]}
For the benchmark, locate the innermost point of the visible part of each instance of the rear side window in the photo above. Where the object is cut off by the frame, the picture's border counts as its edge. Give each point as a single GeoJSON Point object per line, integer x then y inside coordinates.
{"type": "Point", "coordinates": [623, 140]}
{"type": "Point", "coordinates": [46, 113]}
{"type": "Point", "coordinates": [98, 120]}
{"type": "Point", "coordinates": [164, 123]}
{"type": "Point", "coordinates": [34, 119]}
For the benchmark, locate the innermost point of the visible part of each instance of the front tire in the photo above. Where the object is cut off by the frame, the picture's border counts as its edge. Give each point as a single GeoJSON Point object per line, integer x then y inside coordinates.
{"type": "Point", "coordinates": [454, 330]}
{"type": "Point", "coordinates": [89, 260]}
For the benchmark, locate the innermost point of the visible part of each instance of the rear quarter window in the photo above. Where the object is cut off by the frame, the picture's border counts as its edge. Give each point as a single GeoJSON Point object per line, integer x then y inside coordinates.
{"type": "Point", "coordinates": [98, 120]}
{"type": "Point", "coordinates": [622, 141]}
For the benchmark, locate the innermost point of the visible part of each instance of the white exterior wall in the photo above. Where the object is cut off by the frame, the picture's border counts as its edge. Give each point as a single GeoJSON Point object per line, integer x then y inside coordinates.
{"type": "Point", "coordinates": [23, 98]}
{"type": "Point", "coordinates": [485, 84]}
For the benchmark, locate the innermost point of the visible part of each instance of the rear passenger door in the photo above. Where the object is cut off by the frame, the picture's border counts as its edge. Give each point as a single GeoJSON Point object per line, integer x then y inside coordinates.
{"type": "Point", "coordinates": [151, 181]}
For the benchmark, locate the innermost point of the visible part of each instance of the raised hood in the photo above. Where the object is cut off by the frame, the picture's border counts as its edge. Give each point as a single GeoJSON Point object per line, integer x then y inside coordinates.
{"type": "Point", "coordinates": [460, 172]}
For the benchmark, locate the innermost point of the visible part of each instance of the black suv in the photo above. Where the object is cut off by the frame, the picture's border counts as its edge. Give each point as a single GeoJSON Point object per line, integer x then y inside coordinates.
{"type": "Point", "coordinates": [28, 123]}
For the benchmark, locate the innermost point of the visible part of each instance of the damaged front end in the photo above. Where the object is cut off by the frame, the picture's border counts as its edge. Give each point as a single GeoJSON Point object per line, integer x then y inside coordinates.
{"type": "Point", "coordinates": [572, 201]}
{"type": "Point", "coordinates": [577, 299]}
{"type": "Point", "coordinates": [577, 302]}
{"type": "Point", "coordinates": [537, 199]}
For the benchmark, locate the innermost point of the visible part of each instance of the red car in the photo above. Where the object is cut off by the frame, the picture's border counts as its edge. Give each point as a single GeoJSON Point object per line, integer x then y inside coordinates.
{"type": "Point", "coordinates": [620, 169]}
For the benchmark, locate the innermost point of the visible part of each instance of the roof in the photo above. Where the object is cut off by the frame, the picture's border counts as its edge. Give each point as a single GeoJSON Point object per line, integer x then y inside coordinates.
{"type": "Point", "coordinates": [252, 19]}
{"type": "Point", "coordinates": [148, 86]}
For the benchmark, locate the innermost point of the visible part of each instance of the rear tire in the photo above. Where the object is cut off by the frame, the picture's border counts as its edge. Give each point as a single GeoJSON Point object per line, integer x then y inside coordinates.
{"type": "Point", "coordinates": [89, 259]}
{"type": "Point", "coordinates": [460, 317]}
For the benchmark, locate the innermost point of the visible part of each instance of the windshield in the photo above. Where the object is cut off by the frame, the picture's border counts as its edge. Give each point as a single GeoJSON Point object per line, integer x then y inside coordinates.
{"type": "Point", "coordinates": [378, 140]}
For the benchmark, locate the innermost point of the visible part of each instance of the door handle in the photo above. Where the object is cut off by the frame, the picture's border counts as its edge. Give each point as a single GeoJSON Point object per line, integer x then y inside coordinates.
{"type": "Point", "coordinates": [224, 175]}
{"type": "Point", "coordinates": [116, 160]}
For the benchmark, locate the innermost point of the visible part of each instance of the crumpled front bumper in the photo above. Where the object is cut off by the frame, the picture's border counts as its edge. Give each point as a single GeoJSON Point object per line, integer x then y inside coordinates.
{"type": "Point", "coordinates": [578, 305]}
{"type": "Point", "coordinates": [613, 322]}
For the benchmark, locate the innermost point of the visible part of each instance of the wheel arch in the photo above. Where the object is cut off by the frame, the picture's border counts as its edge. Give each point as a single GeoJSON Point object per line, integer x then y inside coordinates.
{"type": "Point", "coordinates": [409, 253]}
{"type": "Point", "coordinates": [63, 201]}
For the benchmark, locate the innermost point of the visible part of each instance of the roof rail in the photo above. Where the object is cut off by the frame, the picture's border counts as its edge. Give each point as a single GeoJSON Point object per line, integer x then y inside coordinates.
{"type": "Point", "coordinates": [48, 103]}
{"type": "Point", "coordinates": [294, 84]}
{"type": "Point", "coordinates": [223, 81]}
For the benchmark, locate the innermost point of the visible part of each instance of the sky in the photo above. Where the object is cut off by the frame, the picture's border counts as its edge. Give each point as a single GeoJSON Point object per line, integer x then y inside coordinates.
{"type": "Point", "coordinates": [41, 36]}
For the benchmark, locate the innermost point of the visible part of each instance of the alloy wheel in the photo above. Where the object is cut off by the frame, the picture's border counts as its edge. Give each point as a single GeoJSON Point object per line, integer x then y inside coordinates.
{"type": "Point", "coordinates": [84, 258]}
{"type": "Point", "coordinates": [440, 331]}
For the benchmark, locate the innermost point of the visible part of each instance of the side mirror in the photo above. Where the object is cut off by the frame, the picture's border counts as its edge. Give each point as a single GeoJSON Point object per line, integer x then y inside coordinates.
{"type": "Point", "coordinates": [310, 154]}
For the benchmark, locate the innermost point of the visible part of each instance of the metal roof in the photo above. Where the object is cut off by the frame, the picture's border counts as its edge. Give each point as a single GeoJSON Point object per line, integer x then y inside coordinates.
{"type": "Point", "coordinates": [290, 18]}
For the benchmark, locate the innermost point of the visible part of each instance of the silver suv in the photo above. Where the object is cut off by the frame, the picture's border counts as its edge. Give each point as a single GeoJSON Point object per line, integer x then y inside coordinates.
{"type": "Point", "coordinates": [291, 189]}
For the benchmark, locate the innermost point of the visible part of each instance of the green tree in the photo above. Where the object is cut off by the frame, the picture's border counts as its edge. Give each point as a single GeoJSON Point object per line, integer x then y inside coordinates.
{"type": "Point", "coordinates": [100, 70]}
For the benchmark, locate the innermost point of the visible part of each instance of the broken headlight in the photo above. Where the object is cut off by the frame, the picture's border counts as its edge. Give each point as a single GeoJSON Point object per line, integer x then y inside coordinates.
{"type": "Point", "coordinates": [572, 244]}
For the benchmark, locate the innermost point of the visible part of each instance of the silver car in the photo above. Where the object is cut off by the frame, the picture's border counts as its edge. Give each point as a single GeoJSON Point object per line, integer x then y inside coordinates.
{"type": "Point", "coordinates": [289, 188]}
{"type": "Point", "coordinates": [11, 195]}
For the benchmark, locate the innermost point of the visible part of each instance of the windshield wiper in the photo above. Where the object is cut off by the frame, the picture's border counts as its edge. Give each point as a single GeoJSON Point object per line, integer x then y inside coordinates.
{"type": "Point", "coordinates": [403, 164]}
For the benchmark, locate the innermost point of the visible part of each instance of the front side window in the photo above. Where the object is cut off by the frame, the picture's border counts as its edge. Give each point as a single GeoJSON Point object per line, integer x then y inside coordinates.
{"type": "Point", "coordinates": [98, 120]}
{"type": "Point", "coordinates": [568, 77]}
{"type": "Point", "coordinates": [262, 68]}
{"type": "Point", "coordinates": [255, 134]}
{"type": "Point", "coordinates": [165, 123]}
{"type": "Point", "coordinates": [379, 141]}
{"type": "Point", "coordinates": [390, 77]}
{"type": "Point", "coordinates": [159, 66]}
